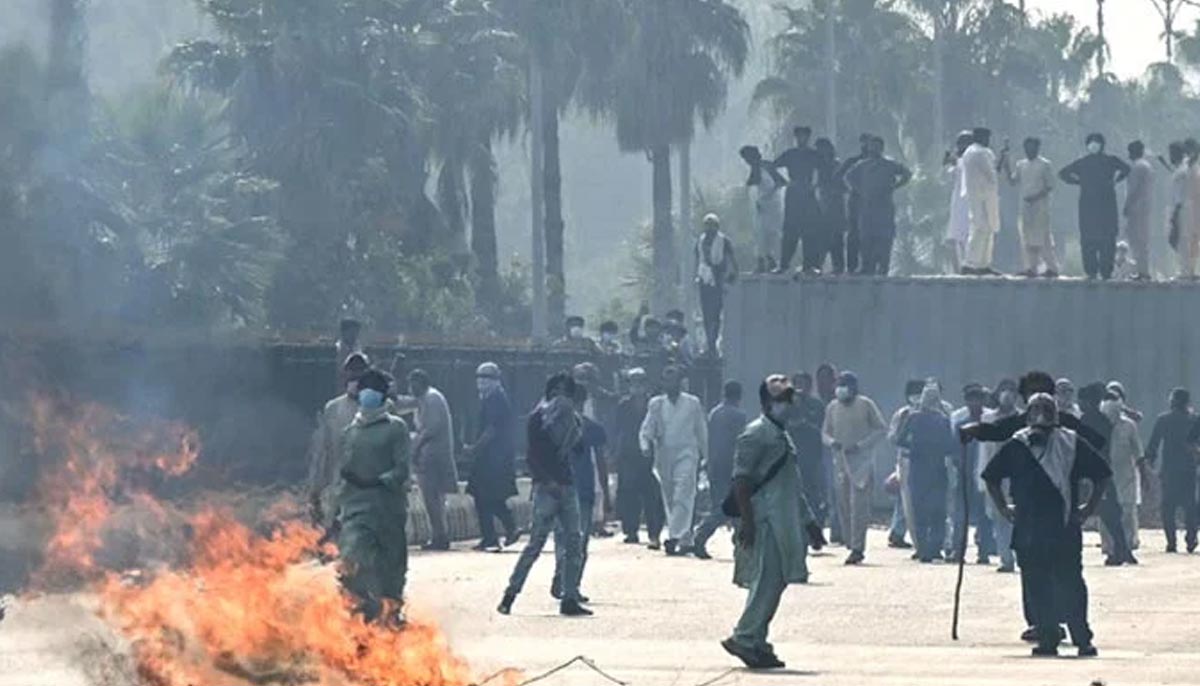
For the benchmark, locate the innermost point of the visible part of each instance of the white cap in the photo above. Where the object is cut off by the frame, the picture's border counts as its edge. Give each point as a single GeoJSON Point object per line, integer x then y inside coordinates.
{"type": "Point", "coordinates": [489, 369]}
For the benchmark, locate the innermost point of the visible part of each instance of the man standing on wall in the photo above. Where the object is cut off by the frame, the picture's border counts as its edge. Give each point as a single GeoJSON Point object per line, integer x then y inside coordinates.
{"type": "Point", "coordinates": [981, 190]}
{"type": "Point", "coordinates": [1097, 173]}
{"type": "Point", "coordinates": [801, 214]}
{"type": "Point", "coordinates": [715, 266]}
{"type": "Point", "coordinates": [1139, 206]}
{"type": "Point", "coordinates": [876, 180]}
{"type": "Point", "coordinates": [1034, 180]}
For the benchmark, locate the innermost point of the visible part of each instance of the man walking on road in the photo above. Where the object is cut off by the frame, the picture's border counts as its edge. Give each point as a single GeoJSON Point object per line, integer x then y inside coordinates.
{"type": "Point", "coordinates": [775, 525]}
{"type": "Point", "coordinates": [725, 424]}
{"type": "Point", "coordinates": [676, 434]}
{"type": "Point", "coordinates": [853, 426]}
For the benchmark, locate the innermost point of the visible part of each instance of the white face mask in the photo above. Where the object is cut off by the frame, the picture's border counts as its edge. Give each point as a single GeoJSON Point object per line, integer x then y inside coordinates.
{"type": "Point", "coordinates": [575, 332]}
{"type": "Point", "coordinates": [1110, 408]}
{"type": "Point", "coordinates": [843, 393]}
{"type": "Point", "coordinates": [914, 400]}
{"type": "Point", "coordinates": [1094, 147]}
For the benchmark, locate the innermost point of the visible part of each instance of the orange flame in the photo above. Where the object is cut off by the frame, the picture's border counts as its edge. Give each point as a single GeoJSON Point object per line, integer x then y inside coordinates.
{"type": "Point", "coordinates": [243, 607]}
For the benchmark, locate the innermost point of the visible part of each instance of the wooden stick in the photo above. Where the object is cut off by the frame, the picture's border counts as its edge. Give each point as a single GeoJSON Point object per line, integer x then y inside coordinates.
{"type": "Point", "coordinates": [962, 548]}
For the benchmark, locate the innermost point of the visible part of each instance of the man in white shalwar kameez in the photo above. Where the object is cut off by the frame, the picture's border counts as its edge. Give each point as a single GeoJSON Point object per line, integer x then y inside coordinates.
{"type": "Point", "coordinates": [1034, 180]}
{"type": "Point", "coordinates": [1139, 208]}
{"type": "Point", "coordinates": [675, 433]}
{"type": "Point", "coordinates": [958, 228]}
{"type": "Point", "coordinates": [981, 190]}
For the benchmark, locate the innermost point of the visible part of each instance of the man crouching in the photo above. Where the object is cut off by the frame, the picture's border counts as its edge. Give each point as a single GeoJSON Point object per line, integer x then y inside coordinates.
{"type": "Point", "coordinates": [775, 528]}
{"type": "Point", "coordinates": [1044, 464]}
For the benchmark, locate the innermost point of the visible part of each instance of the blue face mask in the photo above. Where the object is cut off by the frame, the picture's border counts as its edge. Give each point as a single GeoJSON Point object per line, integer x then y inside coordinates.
{"type": "Point", "coordinates": [370, 399]}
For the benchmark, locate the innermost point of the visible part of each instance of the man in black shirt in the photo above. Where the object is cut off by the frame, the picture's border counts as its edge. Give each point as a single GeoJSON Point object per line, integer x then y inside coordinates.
{"type": "Point", "coordinates": [1097, 174]}
{"type": "Point", "coordinates": [1174, 438]}
{"type": "Point", "coordinates": [801, 213]}
{"type": "Point", "coordinates": [1002, 430]}
{"type": "Point", "coordinates": [853, 205]}
{"type": "Point", "coordinates": [553, 430]}
{"type": "Point", "coordinates": [1044, 465]}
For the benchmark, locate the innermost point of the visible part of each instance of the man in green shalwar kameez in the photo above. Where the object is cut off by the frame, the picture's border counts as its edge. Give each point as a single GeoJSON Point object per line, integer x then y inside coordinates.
{"type": "Point", "coordinates": [776, 525]}
{"type": "Point", "coordinates": [372, 504]}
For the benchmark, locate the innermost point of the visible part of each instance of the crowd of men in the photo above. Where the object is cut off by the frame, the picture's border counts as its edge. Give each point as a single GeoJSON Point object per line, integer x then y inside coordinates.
{"type": "Point", "coordinates": [842, 213]}
{"type": "Point", "coordinates": [1026, 463]}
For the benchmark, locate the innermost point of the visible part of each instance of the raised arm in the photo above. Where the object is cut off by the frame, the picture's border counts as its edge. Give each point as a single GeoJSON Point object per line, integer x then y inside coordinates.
{"type": "Point", "coordinates": [1070, 173]}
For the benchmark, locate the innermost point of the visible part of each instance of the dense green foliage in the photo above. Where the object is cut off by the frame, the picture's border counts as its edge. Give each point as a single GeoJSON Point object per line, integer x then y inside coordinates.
{"type": "Point", "coordinates": [305, 160]}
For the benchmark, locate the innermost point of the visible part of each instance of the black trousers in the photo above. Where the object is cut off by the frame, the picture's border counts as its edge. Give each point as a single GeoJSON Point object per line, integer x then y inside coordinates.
{"type": "Point", "coordinates": [835, 247]}
{"type": "Point", "coordinates": [1099, 253]}
{"type": "Point", "coordinates": [712, 302]}
{"type": "Point", "coordinates": [877, 254]}
{"type": "Point", "coordinates": [1054, 591]}
{"type": "Point", "coordinates": [1111, 513]}
{"type": "Point", "coordinates": [813, 480]}
{"type": "Point", "coordinates": [1179, 491]}
{"type": "Point", "coordinates": [490, 507]}
{"type": "Point", "coordinates": [787, 249]}
{"type": "Point", "coordinates": [853, 244]}
{"type": "Point", "coordinates": [639, 495]}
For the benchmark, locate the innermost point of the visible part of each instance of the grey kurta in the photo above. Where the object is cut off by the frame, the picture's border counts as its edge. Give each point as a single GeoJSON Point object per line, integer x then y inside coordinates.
{"type": "Point", "coordinates": [780, 509]}
{"type": "Point", "coordinates": [326, 452]}
{"type": "Point", "coordinates": [1034, 178]}
{"type": "Point", "coordinates": [434, 461]}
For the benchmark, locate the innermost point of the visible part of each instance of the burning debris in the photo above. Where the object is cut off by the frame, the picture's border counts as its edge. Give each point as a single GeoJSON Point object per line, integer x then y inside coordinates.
{"type": "Point", "coordinates": [200, 596]}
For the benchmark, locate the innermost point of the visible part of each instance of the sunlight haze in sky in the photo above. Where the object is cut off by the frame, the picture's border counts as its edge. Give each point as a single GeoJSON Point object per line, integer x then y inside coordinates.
{"type": "Point", "coordinates": [1132, 26]}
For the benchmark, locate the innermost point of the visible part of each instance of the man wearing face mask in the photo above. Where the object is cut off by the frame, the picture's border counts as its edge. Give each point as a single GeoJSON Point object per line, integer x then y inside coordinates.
{"type": "Point", "coordinates": [553, 430]}
{"type": "Point", "coordinates": [372, 504]}
{"type": "Point", "coordinates": [610, 342]}
{"type": "Point", "coordinates": [929, 439]}
{"type": "Point", "coordinates": [1090, 398]}
{"type": "Point", "coordinates": [1044, 465]}
{"type": "Point", "coordinates": [575, 338]}
{"type": "Point", "coordinates": [1097, 175]}
{"type": "Point", "coordinates": [1006, 407]}
{"type": "Point", "coordinates": [639, 493]}
{"type": "Point", "coordinates": [853, 425]}
{"type": "Point", "coordinates": [903, 514]}
{"type": "Point", "coordinates": [1064, 396]}
{"type": "Point", "coordinates": [433, 453]}
{"type": "Point", "coordinates": [326, 443]}
{"type": "Point", "coordinates": [1124, 451]}
{"type": "Point", "coordinates": [775, 525]}
{"type": "Point", "coordinates": [493, 475]}
{"type": "Point", "coordinates": [675, 433]}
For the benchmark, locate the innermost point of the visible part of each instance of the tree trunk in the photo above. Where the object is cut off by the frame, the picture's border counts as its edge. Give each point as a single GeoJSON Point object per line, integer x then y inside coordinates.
{"type": "Point", "coordinates": [452, 202]}
{"type": "Point", "coordinates": [556, 291]}
{"type": "Point", "coordinates": [662, 295]}
{"type": "Point", "coordinates": [831, 77]}
{"type": "Point", "coordinates": [537, 200]}
{"type": "Point", "coordinates": [687, 295]}
{"type": "Point", "coordinates": [483, 223]}
{"type": "Point", "coordinates": [939, 83]}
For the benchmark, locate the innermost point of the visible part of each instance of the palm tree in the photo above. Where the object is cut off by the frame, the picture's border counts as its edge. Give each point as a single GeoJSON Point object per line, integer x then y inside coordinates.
{"type": "Point", "coordinates": [667, 67]}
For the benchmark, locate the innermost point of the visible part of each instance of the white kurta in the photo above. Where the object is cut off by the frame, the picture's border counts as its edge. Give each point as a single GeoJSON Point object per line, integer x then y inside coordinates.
{"type": "Point", "coordinates": [1181, 201]}
{"type": "Point", "coordinates": [1031, 178]}
{"type": "Point", "coordinates": [677, 435]}
{"type": "Point", "coordinates": [958, 228]}
{"type": "Point", "coordinates": [981, 190]}
{"type": "Point", "coordinates": [1139, 196]}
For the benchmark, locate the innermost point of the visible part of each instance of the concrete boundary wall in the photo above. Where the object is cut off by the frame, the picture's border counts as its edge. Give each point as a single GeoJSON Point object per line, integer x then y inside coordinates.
{"type": "Point", "coordinates": [960, 330]}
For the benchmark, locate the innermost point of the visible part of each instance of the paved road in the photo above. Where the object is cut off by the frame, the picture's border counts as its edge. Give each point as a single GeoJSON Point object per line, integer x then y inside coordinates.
{"type": "Point", "coordinates": [658, 621]}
